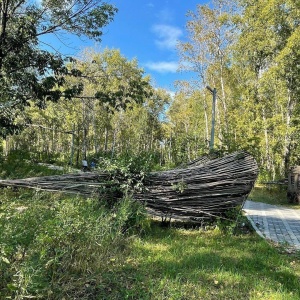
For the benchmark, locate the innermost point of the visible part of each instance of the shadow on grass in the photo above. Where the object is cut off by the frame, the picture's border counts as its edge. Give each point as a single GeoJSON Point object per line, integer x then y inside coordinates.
{"type": "Point", "coordinates": [180, 264]}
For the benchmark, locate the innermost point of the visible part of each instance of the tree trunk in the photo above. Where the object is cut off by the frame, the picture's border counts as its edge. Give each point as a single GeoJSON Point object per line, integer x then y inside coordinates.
{"type": "Point", "coordinates": [287, 137]}
{"type": "Point", "coordinates": [105, 139]}
{"type": "Point", "coordinates": [206, 122]}
{"type": "Point", "coordinates": [78, 148]}
{"type": "Point", "coordinates": [267, 149]}
{"type": "Point", "coordinates": [113, 143]}
{"type": "Point", "coordinates": [72, 145]}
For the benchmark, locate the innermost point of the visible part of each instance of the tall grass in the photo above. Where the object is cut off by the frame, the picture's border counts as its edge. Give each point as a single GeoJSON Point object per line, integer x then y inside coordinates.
{"type": "Point", "coordinates": [271, 194]}
{"type": "Point", "coordinates": [54, 247]}
{"type": "Point", "coordinates": [18, 164]}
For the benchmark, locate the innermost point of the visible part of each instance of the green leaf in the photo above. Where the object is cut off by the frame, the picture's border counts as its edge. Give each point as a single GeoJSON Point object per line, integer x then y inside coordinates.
{"type": "Point", "coordinates": [4, 259]}
{"type": "Point", "coordinates": [12, 287]}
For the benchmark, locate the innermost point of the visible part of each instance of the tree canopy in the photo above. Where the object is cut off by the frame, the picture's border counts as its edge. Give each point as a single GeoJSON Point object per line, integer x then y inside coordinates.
{"type": "Point", "coordinates": [248, 50]}
{"type": "Point", "coordinates": [30, 72]}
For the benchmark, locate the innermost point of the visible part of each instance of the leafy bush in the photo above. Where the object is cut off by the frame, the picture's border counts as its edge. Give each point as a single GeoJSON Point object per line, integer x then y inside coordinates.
{"type": "Point", "coordinates": [124, 180]}
{"type": "Point", "coordinates": [144, 161]}
{"type": "Point", "coordinates": [55, 246]}
{"type": "Point", "coordinates": [233, 222]}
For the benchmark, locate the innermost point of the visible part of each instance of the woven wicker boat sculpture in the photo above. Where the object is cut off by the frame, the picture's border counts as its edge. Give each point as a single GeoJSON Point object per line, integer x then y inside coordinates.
{"type": "Point", "coordinates": [202, 189]}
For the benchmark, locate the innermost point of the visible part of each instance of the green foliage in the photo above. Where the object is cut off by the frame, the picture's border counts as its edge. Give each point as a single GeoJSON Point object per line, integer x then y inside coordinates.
{"type": "Point", "coordinates": [144, 161]}
{"type": "Point", "coordinates": [118, 82]}
{"type": "Point", "coordinates": [53, 246]}
{"type": "Point", "coordinates": [247, 51]}
{"type": "Point", "coordinates": [121, 120]}
{"type": "Point", "coordinates": [19, 164]}
{"type": "Point", "coordinates": [233, 222]}
{"type": "Point", "coordinates": [29, 73]}
{"type": "Point", "coordinates": [124, 121]}
{"type": "Point", "coordinates": [180, 187]}
{"type": "Point", "coordinates": [272, 194]}
{"type": "Point", "coordinates": [125, 178]}
{"type": "Point", "coordinates": [255, 73]}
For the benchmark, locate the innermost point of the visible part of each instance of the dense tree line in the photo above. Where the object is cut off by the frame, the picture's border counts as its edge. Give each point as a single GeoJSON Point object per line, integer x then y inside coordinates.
{"type": "Point", "coordinates": [248, 50]}
{"type": "Point", "coordinates": [122, 117]}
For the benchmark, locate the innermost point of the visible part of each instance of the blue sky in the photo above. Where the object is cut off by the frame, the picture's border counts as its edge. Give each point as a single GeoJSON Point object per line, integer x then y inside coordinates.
{"type": "Point", "coordinates": [147, 31]}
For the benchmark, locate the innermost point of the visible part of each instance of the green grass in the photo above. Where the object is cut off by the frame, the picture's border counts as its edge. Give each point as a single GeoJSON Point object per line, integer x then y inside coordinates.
{"type": "Point", "coordinates": [14, 168]}
{"type": "Point", "coordinates": [271, 194]}
{"type": "Point", "coordinates": [197, 264]}
{"type": "Point", "coordinates": [54, 246]}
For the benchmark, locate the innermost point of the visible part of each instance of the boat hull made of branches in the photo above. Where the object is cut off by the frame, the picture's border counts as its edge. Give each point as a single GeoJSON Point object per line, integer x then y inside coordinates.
{"type": "Point", "coordinates": [202, 189]}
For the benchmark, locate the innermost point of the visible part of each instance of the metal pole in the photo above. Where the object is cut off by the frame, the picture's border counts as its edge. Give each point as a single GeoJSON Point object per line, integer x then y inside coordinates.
{"type": "Point", "coordinates": [72, 146]}
{"type": "Point", "coordinates": [212, 135]}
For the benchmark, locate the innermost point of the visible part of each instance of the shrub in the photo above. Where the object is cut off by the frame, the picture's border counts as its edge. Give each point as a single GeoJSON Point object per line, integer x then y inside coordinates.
{"type": "Point", "coordinates": [56, 246]}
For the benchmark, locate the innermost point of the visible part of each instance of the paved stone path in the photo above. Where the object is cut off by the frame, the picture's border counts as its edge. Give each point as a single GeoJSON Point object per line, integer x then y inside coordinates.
{"type": "Point", "coordinates": [277, 223]}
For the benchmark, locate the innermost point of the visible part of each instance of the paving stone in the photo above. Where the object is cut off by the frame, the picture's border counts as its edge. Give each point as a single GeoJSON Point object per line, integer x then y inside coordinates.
{"type": "Point", "coordinates": [280, 224]}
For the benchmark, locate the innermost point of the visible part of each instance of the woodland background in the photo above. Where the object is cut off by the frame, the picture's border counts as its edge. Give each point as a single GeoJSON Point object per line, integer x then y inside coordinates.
{"type": "Point", "coordinates": [248, 50]}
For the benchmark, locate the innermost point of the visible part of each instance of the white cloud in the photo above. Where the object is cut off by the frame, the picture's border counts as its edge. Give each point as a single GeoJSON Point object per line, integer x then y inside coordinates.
{"type": "Point", "coordinates": [165, 15]}
{"type": "Point", "coordinates": [150, 4]}
{"type": "Point", "coordinates": [167, 36]}
{"type": "Point", "coordinates": [163, 66]}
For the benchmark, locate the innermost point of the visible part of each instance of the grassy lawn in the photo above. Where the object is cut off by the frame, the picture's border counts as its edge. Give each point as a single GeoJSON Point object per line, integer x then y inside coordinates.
{"type": "Point", "coordinates": [271, 194]}
{"type": "Point", "coordinates": [54, 246]}
{"type": "Point", "coordinates": [15, 168]}
{"type": "Point", "coordinates": [193, 264]}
